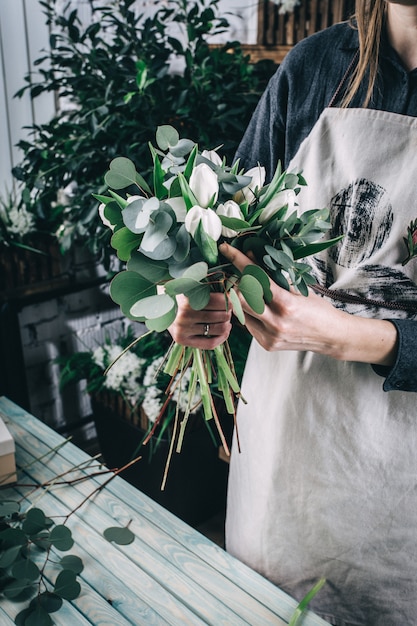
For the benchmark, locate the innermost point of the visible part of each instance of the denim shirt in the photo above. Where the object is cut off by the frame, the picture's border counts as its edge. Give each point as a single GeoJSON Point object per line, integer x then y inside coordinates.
{"type": "Point", "coordinates": [301, 88]}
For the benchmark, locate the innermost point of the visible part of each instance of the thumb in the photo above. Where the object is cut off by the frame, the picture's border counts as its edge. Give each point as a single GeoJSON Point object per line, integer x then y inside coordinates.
{"type": "Point", "coordinates": [235, 256]}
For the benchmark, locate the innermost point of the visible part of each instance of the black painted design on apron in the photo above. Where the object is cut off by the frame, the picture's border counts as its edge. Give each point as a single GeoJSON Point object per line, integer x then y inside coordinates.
{"type": "Point", "coordinates": [362, 212]}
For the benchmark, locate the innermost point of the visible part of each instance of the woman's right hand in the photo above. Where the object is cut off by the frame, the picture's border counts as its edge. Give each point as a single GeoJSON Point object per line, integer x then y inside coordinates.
{"type": "Point", "coordinates": [205, 329]}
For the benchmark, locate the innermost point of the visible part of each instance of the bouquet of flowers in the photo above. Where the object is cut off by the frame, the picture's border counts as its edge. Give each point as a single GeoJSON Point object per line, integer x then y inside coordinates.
{"type": "Point", "coordinates": [167, 234]}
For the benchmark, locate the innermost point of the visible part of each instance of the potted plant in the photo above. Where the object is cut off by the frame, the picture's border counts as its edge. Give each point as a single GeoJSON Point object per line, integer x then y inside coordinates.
{"type": "Point", "coordinates": [115, 85]}
{"type": "Point", "coordinates": [126, 400]}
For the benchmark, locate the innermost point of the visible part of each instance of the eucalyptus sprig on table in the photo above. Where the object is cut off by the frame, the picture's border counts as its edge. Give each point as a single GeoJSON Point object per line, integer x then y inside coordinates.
{"type": "Point", "coordinates": [28, 544]}
{"type": "Point", "coordinates": [167, 230]}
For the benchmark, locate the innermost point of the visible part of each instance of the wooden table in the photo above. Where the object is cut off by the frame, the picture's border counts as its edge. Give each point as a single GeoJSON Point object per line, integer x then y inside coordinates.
{"type": "Point", "coordinates": [170, 574]}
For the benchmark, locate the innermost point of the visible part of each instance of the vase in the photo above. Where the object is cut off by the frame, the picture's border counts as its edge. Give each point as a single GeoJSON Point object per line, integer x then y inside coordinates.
{"type": "Point", "coordinates": [195, 488]}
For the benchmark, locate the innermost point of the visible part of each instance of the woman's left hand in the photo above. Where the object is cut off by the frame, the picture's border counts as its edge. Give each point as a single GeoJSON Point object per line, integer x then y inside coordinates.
{"type": "Point", "coordinates": [295, 322]}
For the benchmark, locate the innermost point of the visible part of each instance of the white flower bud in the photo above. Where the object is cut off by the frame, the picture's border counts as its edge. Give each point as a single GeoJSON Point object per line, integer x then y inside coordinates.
{"type": "Point", "coordinates": [212, 156]}
{"type": "Point", "coordinates": [104, 219]}
{"type": "Point", "coordinates": [282, 198]}
{"type": "Point", "coordinates": [210, 222]}
{"type": "Point", "coordinates": [248, 193]}
{"type": "Point", "coordinates": [229, 209]}
{"type": "Point", "coordinates": [204, 184]}
{"type": "Point", "coordinates": [178, 206]}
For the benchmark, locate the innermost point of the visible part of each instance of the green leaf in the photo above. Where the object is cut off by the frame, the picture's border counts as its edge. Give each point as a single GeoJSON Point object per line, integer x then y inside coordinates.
{"type": "Point", "coordinates": [124, 241]}
{"type": "Point", "coordinates": [66, 585]}
{"type": "Point", "coordinates": [73, 563]}
{"type": "Point", "coordinates": [162, 323]}
{"type": "Point", "coordinates": [34, 522]}
{"type": "Point", "coordinates": [197, 293]}
{"type": "Point", "coordinates": [161, 191]}
{"type": "Point", "coordinates": [305, 601]}
{"type": "Point", "coordinates": [314, 248]}
{"type": "Point", "coordinates": [166, 137]}
{"type": "Point", "coordinates": [279, 257]}
{"type": "Point", "coordinates": [197, 272]}
{"type": "Point", "coordinates": [61, 538]}
{"type": "Point", "coordinates": [9, 556]}
{"type": "Point", "coordinates": [157, 231]}
{"type": "Point", "coordinates": [137, 214]}
{"type": "Point", "coordinates": [50, 602]}
{"type": "Point", "coordinates": [128, 287]}
{"type": "Point", "coordinates": [121, 536]}
{"type": "Point", "coordinates": [37, 616]}
{"type": "Point", "coordinates": [121, 174]}
{"type": "Point", "coordinates": [163, 251]}
{"type": "Point", "coordinates": [155, 271]}
{"type": "Point", "coordinates": [237, 307]}
{"type": "Point", "coordinates": [16, 587]}
{"type": "Point", "coordinates": [12, 537]}
{"type": "Point", "coordinates": [152, 307]}
{"type": "Point", "coordinates": [252, 291]}
{"type": "Point", "coordinates": [189, 198]}
{"type": "Point", "coordinates": [235, 223]}
{"type": "Point", "coordinates": [183, 239]}
{"type": "Point", "coordinates": [26, 570]}
{"type": "Point", "coordinates": [262, 277]}
{"type": "Point", "coordinates": [206, 245]}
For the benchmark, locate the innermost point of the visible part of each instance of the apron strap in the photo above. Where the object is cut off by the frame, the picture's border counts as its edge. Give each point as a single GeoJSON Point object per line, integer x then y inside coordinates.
{"type": "Point", "coordinates": [344, 79]}
{"type": "Point", "coordinates": [344, 296]}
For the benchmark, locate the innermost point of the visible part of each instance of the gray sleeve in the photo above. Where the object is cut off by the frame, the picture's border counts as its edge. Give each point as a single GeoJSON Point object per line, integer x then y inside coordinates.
{"type": "Point", "coordinates": [402, 376]}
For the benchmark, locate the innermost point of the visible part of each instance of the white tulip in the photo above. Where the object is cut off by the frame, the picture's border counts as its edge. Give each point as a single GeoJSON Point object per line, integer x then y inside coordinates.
{"type": "Point", "coordinates": [257, 175]}
{"type": "Point", "coordinates": [212, 156]}
{"type": "Point", "coordinates": [282, 198]}
{"type": "Point", "coordinates": [229, 209]}
{"type": "Point", "coordinates": [104, 219]}
{"type": "Point", "coordinates": [204, 184]}
{"type": "Point", "coordinates": [210, 222]}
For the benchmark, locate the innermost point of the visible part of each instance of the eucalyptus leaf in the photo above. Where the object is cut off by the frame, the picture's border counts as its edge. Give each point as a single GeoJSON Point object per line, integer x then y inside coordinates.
{"type": "Point", "coordinates": [38, 617]}
{"type": "Point", "coordinates": [34, 522]}
{"type": "Point", "coordinates": [124, 241]}
{"type": "Point", "coordinates": [12, 537]}
{"type": "Point", "coordinates": [127, 288]}
{"type": "Point", "coordinates": [50, 602]}
{"type": "Point", "coordinates": [182, 148]}
{"type": "Point", "coordinates": [137, 214]}
{"type": "Point", "coordinates": [237, 307]}
{"type": "Point", "coordinates": [25, 569]}
{"type": "Point", "coordinates": [155, 271]}
{"type": "Point", "coordinates": [9, 556]}
{"type": "Point", "coordinates": [197, 271]}
{"type": "Point", "coordinates": [183, 239]}
{"type": "Point", "coordinates": [121, 174]}
{"type": "Point", "coordinates": [251, 290]}
{"type": "Point", "coordinates": [73, 563]}
{"type": "Point", "coordinates": [152, 307]}
{"type": "Point", "coordinates": [16, 587]}
{"type": "Point", "coordinates": [162, 323]}
{"type": "Point", "coordinates": [262, 277]}
{"type": "Point", "coordinates": [279, 257]}
{"type": "Point", "coordinates": [61, 538]}
{"type": "Point", "coordinates": [314, 248]}
{"type": "Point", "coordinates": [121, 536]}
{"type": "Point", "coordinates": [163, 251]}
{"type": "Point", "coordinates": [157, 231]}
{"type": "Point", "coordinates": [166, 137]}
{"type": "Point", "coordinates": [66, 586]}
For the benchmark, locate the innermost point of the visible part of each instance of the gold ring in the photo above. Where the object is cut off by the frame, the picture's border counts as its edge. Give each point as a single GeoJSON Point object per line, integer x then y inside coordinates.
{"type": "Point", "coordinates": [206, 331]}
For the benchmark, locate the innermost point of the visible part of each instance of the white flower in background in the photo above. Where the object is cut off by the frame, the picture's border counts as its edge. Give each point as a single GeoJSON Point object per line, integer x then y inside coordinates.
{"type": "Point", "coordinates": [204, 184]}
{"type": "Point", "coordinates": [286, 6]}
{"type": "Point", "coordinates": [211, 155]}
{"type": "Point", "coordinates": [210, 222]}
{"type": "Point", "coordinates": [124, 375]}
{"type": "Point", "coordinates": [21, 222]}
{"type": "Point", "coordinates": [229, 209]}
{"type": "Point", "coordinates": [282, 198]}
{"type": "Point", "coordinates": [178, 206]}
{"type": "Point", "coordinates": [257, 175]}
{"type": "Point", "coordinates": [154, 397]}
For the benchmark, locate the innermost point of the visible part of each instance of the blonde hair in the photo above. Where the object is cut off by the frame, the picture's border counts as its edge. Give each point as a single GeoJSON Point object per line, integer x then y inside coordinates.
{"type": "Point", "coordinates": [369, 16]}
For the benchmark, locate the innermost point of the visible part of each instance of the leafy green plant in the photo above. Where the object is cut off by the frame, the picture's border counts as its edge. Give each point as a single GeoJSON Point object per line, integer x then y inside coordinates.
{"type": "Point", "coordinates": [115, 74]}
{"type": "Point", "coordinates": [29, 542]}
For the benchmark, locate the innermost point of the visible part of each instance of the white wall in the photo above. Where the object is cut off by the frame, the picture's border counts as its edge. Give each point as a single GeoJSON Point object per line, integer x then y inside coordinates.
{"type": "Point", "coordinates": [23, 35]}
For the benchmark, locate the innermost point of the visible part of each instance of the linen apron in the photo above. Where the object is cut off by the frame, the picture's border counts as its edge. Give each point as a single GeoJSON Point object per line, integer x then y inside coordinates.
{"type": "Point", "coordinates": [325, 484]}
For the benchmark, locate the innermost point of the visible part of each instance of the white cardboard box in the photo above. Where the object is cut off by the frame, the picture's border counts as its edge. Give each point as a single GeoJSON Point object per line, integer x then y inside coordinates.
{"type": "Point", "coordinates": [7, 456]}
